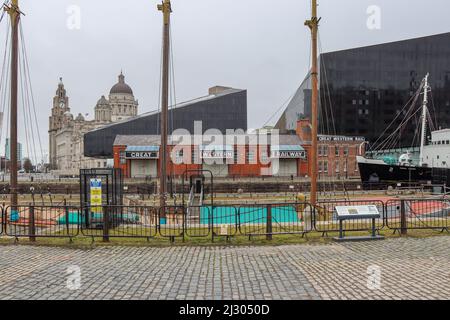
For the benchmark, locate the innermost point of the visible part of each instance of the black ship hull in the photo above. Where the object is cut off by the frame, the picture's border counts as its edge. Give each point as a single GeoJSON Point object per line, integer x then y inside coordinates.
{"type": "Point", "coordinates": [384, 174]}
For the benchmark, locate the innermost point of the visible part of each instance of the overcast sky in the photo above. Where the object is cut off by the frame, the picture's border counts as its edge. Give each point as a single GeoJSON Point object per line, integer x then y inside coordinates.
{"type": "Point", "coordinates": [258, 45]}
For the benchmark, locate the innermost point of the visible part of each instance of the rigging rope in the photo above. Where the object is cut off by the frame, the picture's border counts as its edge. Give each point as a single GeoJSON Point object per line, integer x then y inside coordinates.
{"type": "Point", "coordinates": [30, 97]}
{"type": "Point", "coordinates": [414, 99]}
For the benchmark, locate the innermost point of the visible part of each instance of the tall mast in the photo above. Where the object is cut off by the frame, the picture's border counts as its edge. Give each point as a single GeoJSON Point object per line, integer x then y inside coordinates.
{"type": "Point", "coordinates": [166, 8]}
{"type": "Point", "coordinates": [313, 24]}
{"type": "Point", "coordinates": [426, 87]}
{"type": "Point", "coordinates": [14, 14]}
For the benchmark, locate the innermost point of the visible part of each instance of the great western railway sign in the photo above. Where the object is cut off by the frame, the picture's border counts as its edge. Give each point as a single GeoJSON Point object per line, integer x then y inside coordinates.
{"type": "Point", "coordinates": [217, 154]}
{"type": "Point", "coordinates": [341, 138]}
{"type": "Point", "coordinates": [141, 155]}
{"type": "Point", "coordinates": [288, 154]}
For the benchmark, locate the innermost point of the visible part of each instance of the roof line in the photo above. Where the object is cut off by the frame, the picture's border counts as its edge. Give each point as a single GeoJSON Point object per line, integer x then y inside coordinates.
{"type": "Point", "coordinates": [390, 42]}
{"type": "Point", "coordinates": [177, 106]}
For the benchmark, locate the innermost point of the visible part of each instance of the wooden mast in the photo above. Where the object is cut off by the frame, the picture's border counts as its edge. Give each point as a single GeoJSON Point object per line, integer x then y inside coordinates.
{"type": "Point", "coordinates": [166, 8]}
{"type": "Point", "coordinates": [313, 24]}
{"type": "Point", "coordinates": [14, 13]}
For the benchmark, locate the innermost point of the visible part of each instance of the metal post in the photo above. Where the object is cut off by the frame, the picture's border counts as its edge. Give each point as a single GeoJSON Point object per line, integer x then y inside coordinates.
{"type": "Point", "coordinates": [313, 24]}
{"type": "Point", "coordinates": [403, 226]}
{"type": "Point", "coordinates": [166, 8]}
{"type": "Point", "coordinates": [66, 211]}
{"type": "Point", "coordinates": [32, 224]}
{"type": "Point", "coordinates": [374, 232]}
{"type": "Point", "coordinates": [106, 224]}
{"type": "Point", "coordinates": [14, 13]}
{"type": "Point", "coordinates": [269, 223]}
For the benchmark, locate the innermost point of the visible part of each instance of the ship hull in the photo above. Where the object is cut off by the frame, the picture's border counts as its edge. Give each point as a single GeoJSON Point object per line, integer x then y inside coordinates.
{"type": "Point", "coordinates": [384, 174]}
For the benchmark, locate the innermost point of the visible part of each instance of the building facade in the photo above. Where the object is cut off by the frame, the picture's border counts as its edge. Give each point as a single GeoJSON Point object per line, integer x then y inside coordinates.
{"type": "Point", "coordinates": [139, 157]}
{"type": "Point", "coordinates": [8, 150]}
{"type": "Point", "coordinates": [264, 153]}
{"type": "Point", "coordinates": [336, 154]}
{"type": "Point", "coordinates": [66, 132]}
{"type": "Point", "coordinates": [222, 109]}
{"type": "Point", "coordinates": [363, 90]}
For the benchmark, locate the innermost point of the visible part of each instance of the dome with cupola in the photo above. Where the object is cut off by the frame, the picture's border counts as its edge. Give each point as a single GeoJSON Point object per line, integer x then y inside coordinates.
{"type": "Point", "coordinates": [121, 87]}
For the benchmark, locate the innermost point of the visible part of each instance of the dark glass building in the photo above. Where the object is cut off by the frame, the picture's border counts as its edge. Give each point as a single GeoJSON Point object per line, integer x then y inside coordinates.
{"type": "Point", "coordinates": [223, 109]}
{"type": "Point", "coordinates": [363, 90]}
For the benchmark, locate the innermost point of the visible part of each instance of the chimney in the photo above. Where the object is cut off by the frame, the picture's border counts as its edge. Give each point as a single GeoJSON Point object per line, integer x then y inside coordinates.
{"type": "Point", "coordinates": [217, 90]}
{"type": "Point", "coordinates": [304, 130]}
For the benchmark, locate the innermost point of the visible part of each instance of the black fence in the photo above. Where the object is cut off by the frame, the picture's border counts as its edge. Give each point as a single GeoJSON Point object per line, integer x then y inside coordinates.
{"type": "Point", "coordinates": [219, 221]}
{"type": "Point", "coordinates": [273, 219]}
{"type": "Point", "coordinates": [119, 222]}
{"type": "Point", "coordinates": [402, 215]}
{"type": "Point", "coordinates": [41, 221]}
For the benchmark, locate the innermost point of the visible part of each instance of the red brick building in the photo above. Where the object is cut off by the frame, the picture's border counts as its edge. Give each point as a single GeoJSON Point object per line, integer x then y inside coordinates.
{"type": "Point", "coordinates": [283, 155]}
{"type": "Point", "coordinates": [336, 154]}
{"type": "Point", "coordinates": [138, 156]}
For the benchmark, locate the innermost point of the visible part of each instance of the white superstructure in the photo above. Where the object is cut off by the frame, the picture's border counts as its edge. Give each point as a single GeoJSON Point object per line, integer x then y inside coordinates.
{"type": "Point", "coordinates": [437, 153]}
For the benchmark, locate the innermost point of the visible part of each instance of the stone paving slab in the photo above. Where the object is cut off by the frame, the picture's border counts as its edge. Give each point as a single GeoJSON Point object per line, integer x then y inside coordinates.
{"type": "Point", "coordinates": [392, 269]}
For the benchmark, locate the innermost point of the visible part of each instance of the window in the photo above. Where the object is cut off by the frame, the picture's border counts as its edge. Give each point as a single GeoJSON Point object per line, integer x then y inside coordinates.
{"type": "Point", "coordinates": [325, 166]}
{"type": "Point", "coordinates": [179, 156]}
{"type": "Point", "coordinates": [325, 150]}
{"type": "Point", "coordinates": [346, 151]}
{"type": "Point", "coordinates": [250, 157]}
{"type": "Point", "coordinates": [122, 159]}
{"type": "Point", "coordinates": [336, 151]}
{"type": "Point", "coordinates": [264, 155]}
{"type": "Point", "coordinates": [320, 166]}
{"type": "Point", "coordinates": [336, 165]}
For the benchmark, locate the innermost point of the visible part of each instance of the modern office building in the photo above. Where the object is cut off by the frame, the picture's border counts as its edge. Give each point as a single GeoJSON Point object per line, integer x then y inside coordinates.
{"type": "Point", "coordinates": [362, 90]}
{"type": "Point", "coordinates": [222, 109]}
{"type": "Point", "coordinates": [8, 150]}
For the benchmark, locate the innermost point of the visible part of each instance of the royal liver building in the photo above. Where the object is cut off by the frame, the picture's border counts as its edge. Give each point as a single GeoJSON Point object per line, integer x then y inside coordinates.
{"type": "Point", "coordinates": [66, 131]}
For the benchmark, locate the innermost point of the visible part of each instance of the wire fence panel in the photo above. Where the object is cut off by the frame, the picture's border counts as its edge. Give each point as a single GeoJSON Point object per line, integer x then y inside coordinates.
{"type": "Point", "coordinates": [2, 220]}
{"type": "Point", "coordinates": [119, 221]}
{"type": "Point", "coordinates": [66, 221]}
{"type": "Point", "coordinates": [224, 221]}
{"type": "Point", "coordinates": [325, 217]}
{"type": "Point", "coordinates": [172, 221]}
{"type": "Point", "coordinates": [198, 221]}
{"type": "Point", "coordinates": [418, 214]}
{"type": "Point", "coordinates": [270, 219]}
{"type": "Point", "coordinates": [42, 221]}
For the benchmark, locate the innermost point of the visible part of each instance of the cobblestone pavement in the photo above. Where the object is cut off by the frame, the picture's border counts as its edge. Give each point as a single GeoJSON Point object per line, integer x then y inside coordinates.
{"type": "Point", "coordinates": [408, 268]}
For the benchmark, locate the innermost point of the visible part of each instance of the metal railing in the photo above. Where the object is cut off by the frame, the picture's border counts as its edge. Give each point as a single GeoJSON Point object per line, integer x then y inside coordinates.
{"type": "Point", "coordinates": [119, 222]}
{"type": "Point", "coordinates": [248, 220]}
{"type": "Point", "coordinates": [275, 219]}
{"type": "Point", "coordinates": [432, 214]}
{"type": "Point", "coordinates": [41, 221]}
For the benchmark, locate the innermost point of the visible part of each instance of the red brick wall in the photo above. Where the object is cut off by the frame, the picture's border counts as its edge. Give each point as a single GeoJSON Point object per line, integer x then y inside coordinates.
{"type": "Point", "coordinates": [124, 167]}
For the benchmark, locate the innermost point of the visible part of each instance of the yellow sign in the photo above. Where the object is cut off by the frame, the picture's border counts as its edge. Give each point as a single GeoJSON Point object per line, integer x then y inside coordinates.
{"type": "Point", "coordinates": [96, 195]}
